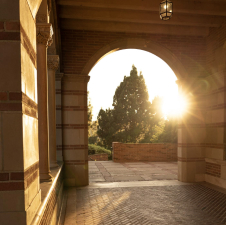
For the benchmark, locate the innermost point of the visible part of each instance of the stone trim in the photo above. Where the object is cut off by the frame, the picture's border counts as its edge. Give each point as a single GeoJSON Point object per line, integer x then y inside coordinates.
{"type": "Point", "coordinates": [68, 92]}
{"type": "Point", "coordinates": [10, 36]}
{"type": "Point", "coordinates": [208, 125]}
{"type": "Point", "coordinates": [44, 33]}
{"type": "Point", "coordinates": [76, 162]}
{"type": "Point", "coordinates": [13, 100]}
{"type": "Point", "coordinates": [41, 18]}
{"type": "Point", "coordinates": [53, 62]}
{"type": "Point", "coordinates": [74, 108]}
{"type": "Point", "coordinates": [76, 78]}
{"type": "Point", "coordinates": [72, 126]}
{"type": "Point", "coordinates": [183, 159]}
{"type": "Point", "coordinates": [28, 46]}
{"type": "Point", "coordinates": [59, 76]}
{"type": "Point", "coordinates": [204, 145]}
{"type": "Point", "coordinates": [58, 107]}
{"type": "Point", "coordinates": [19, 180]}
{"type": "Point", "coordinates": [44, 215]}
{"type": "Point", "coordinates": [58, 91]}
{"type": "Point", "coordinates": [72, 147]}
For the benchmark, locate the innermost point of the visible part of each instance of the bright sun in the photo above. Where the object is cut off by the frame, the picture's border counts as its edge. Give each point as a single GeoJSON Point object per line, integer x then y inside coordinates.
{"type": "Point", "coordinates": [174, 105]}
{"type": "Point", "coordinates": [159, 78]}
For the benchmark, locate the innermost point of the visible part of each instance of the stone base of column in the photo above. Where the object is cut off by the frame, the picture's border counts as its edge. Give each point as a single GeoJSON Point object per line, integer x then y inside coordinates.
{"type": "Point", "coordinates": [191, 172]}
{"type": "Point", "coordinates": [53, 164]}
{"type": "Point", "coordinates": [46, 177]}
{"type": "Point", "coordinates": [76, 175]}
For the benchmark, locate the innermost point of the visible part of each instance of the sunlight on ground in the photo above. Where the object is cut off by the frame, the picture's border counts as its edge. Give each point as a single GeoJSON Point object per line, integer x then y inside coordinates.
{"type": "Point", "coordinates": [107, 74]}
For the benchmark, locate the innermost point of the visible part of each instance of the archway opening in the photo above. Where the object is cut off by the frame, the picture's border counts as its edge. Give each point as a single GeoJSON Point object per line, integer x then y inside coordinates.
{"type": "Point", "coordinates": [160, 81]}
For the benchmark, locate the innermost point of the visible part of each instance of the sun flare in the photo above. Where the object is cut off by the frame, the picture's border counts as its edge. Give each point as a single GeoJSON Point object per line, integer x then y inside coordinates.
{"type": "Point", "coordinates": [174, 106]}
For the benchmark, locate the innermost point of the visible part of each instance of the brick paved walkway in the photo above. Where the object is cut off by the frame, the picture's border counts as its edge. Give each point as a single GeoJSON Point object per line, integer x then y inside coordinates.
{"type": "Point", "coordinates": [154, 202]}
{"type": "Point", "coordinates": [108, 171]}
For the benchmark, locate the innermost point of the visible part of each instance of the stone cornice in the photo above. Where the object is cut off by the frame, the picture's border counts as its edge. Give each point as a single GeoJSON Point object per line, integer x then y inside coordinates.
{"type": "Point", "coordinates": [76, 78]}
{"type": "Point", "coordinates": [44, 33]}
{"type": "Point", "coordinates": [53, 62]}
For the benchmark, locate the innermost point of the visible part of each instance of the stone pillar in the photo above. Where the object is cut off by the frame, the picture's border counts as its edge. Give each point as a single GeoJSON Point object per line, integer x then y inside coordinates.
{"type": "Point", "coordinates": [59, 117]}
{"type": "Point", "coordinates": [192, 132]}
{"type": "Point", "coordinates": [44, 38]}
{"type": "Point", "coordinates": [20, 194]}
{"type": "Point", "coordinates": [75, 130]}
{"type": "Point", "coordinates": [53, 64]}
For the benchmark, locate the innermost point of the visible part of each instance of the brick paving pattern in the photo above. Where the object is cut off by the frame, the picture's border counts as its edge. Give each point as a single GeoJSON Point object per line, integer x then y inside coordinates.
{"type": "Point", "coordinates": [137, 171]}
{"type": "Point", "coordinates": [187, 205]}
{"type": "Point", "coordinates": [149, 202]}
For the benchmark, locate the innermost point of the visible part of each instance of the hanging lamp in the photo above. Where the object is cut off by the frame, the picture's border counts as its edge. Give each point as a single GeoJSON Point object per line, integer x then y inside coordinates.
{"type": "Point", "coordinates": [166, 10]}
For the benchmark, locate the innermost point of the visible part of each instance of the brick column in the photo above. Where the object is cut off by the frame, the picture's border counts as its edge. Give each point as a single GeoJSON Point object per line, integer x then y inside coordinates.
{"type": "Point", "coordinates": [44, 35]}
{"type": "Point", "coordinates": [75, 129]}
{"type": "Point", "coordinates": [20, 194]}
{"type": "Point", "coordinates": [53, 64]}
{"type": "Point", "coordinates": [192, 133]}
{"type": "Point", "coordinates": [59, 117]}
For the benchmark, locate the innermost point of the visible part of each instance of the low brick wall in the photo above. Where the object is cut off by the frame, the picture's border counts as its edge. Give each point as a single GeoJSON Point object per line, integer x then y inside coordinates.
{"type": "Point", "coordinates": [144, 152]}
{"type": "Point", "coordinates": [98, 157]}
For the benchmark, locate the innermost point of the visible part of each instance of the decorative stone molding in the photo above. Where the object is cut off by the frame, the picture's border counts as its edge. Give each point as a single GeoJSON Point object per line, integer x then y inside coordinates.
{"type": "Point", "coordinates": [53, 62]}
{"type": "Point", "coordinates": [44, 33]}
{"type": "Point", "coordinates": [51, 51]}
{"type": "Point", "coordinates": [76, 78]}
{"type": "Point", "coordinates": [41, 18]}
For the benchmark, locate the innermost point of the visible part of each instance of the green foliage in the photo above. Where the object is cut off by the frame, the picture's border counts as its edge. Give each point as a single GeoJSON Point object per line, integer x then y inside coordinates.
{"type": "Point", "coordinates": [134, 119]}
{"type": "Point", "coordinates": [106, 127]}
{"type": "Point", "coordinates": [94, 149]}
{"type": "Point", "coordinates": [90, 116]}
{"type": "Point", "coordinates": [169, 134]}
{"type": "Point", "coordinates": [132, 111]}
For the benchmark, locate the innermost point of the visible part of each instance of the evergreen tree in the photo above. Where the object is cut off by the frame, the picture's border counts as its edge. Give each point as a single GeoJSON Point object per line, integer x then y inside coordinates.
{"type": "Point", "coordinates": [132, 118]}
{"type": "Point", "coordinates": [90, 116]}
{"type": "Point", "coordinates": [132, 111]}
{"type": "Point", "coordinates": [106, 128]}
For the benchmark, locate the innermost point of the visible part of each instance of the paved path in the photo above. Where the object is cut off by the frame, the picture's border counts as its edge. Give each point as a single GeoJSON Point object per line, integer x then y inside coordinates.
{"type": "Point", "coordinates": [108, 171]}
{"type": "Point", "coordinates": [152, 202]}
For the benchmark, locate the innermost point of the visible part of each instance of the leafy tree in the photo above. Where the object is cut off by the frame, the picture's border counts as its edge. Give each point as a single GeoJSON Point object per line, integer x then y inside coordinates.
{"type": "Point", "coordinates": [169, 134]}
{"type": "Point", "coordinates": [132, 118]}
{"type": "Point", "coordinates": [90, 116]}
{"type": "Point", "coordinates": [106, 127]}
{"type": "Point", "coordinates": [93, 137]}
{"type": "Point", "coordinates": [132, 111]}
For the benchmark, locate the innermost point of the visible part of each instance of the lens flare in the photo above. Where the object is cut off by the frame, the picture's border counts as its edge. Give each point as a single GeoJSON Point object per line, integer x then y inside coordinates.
{"type": "Point", "coordinates": [174, 106]}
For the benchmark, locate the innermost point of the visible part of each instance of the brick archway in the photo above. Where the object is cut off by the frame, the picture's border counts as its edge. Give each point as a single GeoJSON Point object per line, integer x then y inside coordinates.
{"type": "Point", "coordinates": [141, 44]}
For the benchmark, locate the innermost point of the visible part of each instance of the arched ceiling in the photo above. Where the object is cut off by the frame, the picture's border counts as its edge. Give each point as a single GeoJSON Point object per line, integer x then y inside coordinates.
{"type": "Point", "coordinates": [190, 17]}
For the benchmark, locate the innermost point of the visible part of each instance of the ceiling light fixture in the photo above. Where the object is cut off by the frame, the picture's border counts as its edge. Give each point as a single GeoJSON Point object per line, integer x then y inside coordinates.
{"type": "Point", "coordinates": [166, 10]}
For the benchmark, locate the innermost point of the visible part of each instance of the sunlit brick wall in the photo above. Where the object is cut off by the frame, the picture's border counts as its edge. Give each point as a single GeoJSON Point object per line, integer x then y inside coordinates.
{"type": "Point", "coordinates": [78, 46]}
{"type": "Point", "coordinates": [144, 152]}
{"type": "Point", "coordinates": [98, 157]}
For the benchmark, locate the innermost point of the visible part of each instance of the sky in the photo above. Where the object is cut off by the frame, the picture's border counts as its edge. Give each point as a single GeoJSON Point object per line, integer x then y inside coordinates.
{"type": "Point", "coordinates": [107, 74]}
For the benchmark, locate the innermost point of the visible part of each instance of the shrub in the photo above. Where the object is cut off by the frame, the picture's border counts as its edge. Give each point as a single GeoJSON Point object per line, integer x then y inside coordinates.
{"type": "Point", "coordinates": [95, 149]}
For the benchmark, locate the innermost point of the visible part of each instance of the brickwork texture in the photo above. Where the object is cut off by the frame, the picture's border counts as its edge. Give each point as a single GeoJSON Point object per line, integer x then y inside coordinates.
{"type": "Point", "coordinates": [144, 152]}
{"type": "Point", "coordinates": [98, 157]}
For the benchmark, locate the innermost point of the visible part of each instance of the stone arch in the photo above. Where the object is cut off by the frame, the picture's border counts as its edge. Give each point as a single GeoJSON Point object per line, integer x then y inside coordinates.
{"type": "Point", "coordinates": [141, 44]}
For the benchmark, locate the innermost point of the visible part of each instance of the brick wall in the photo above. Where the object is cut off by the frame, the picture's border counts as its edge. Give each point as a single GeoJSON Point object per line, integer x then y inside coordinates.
{"type": "Point", "coordinates": [79, 46]}
{"type": "Point", "coordinates": [98, 157]}
{"type": "Point", "coordinates": [144, 152]}
{"type": "Point", "coordinates": [213, 169]}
